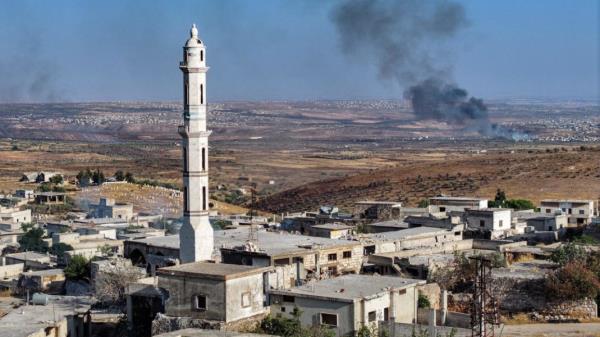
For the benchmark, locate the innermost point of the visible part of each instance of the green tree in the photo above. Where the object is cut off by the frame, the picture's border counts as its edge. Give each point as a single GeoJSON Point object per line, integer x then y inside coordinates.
{"type": "Point", "coordinates": [45, 187]}
{"type": "Point", "coordinates": [567, 253]}
{"type": "Point", "coordinates": [499, 199]}
{"type": "Point", "coordinates": [519, 204]}
{"type": "Point", "coordinates": [59, 249]}
{"type": "Point", "coordinates": [119, 175]}
{"type": "Point", "coordinates": [84, 178]}
{"type": "Point", "coordinates": [129, 177]}
{"type": "Point", "coordinates": [423, 203]}
{"type": "Point", "coordinates": [98, 177]}
{"type": "Point", "coordinates": [32, 239]}
{"type": "Point", "coordinates": [78, 268]}
{"type": "Point", "coordinates": [57, 179]}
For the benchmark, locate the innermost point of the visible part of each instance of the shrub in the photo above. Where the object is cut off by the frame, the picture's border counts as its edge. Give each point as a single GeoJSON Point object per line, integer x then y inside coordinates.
{"type": "Point", "coordinates": [78, 268]}
{"type": "Point", "coordinates": [572, 282]}
{"type": "Point", "coordinates": [567, 253]}
{"type": "Point", "coordinates": [423, 301]}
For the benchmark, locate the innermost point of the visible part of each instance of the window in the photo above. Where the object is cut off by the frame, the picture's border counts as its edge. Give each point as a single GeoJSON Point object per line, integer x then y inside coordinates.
{"type": "Point", "coordinates": [204, 198]}
{"type": "Point", "coordinates": [185, 166]}
{"type": "Point", "coordinates": [200, 302]}
{"type": "Point", "coordinates": [550, 228]}
{"type": "Point", "coordinates": [332, 257]}
{"type": "Point", "coordinates": [185, 199]}
{"type": "Point", "coordinates": [581, 211]}
{"type": "Point", "coordinates": [386, 314]}
{"type": "Point", "coordinates": [372, 316]}
{"type": "Point", "coordinates": [245, 299]}
{"type": "Point", "coordinates": [203, 159]}
{"type": "Point", "coordinates": [500, 223]}
{"type": "Point", "coordinates": [185, 93]}
{"type": "Point", "coordinates": [201, 94]}
{"type": "Point", "coordinates": [289, 299]}
{"type": "Point", "coordinates": [282, 309]}
{"type": "Point", "coordinates": [282, 262]}
{"type": "Point", "coordinates": [570, 211]}
{"type": "Point", "coordinates": [202, 55]}
{"type": "Point", "coordinates": [442, 209]}
{"type": "Point", "coordinates": [347, 254]}
{"type": "Point", "coordinates": [456, 233]}
{"type": "Point", "coordinates": [547, 210]}
{"type": "Point", "coordinates": [402, 292]}
{"type": "Point", "coordinates": [329, 319]}
{"type": "Point", "coordinates": [481, 223]}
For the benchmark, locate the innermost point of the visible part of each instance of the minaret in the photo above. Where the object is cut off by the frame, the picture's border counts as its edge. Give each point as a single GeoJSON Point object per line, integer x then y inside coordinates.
{"type": "Point", "coordinates": [196, 235]}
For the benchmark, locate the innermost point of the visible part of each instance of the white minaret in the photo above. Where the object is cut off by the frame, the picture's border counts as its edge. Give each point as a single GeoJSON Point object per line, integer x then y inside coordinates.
{"type": "Point", "coordinates": [196, 235]}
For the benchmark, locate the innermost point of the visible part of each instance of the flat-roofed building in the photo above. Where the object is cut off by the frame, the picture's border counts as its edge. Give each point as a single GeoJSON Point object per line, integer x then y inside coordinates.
{"type": "Point", "coordinates": [348, 302]}
{"type": "Point", "coordinates": [377, 210]}
{"type": "Point", "coordinates": [108, 208]}
{"type": "Point", "coordinates": [448, 204]}
{"type": "Point", "coordinates": [579, 212]}
{"type": "Point", "coordinates": [494, 222]}
{"type": "Point", "coordinates": [214, 291]}
{"type": "Point", "coordinates": [332, 230]}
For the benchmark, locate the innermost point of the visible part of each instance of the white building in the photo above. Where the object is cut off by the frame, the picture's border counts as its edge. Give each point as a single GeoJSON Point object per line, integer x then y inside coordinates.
{"type": "Point", "coordinates": [11, 219]}
{"type": "Point", "coordinates": [460, 204]}
{"type": "Point", "coordinates": [348, 302]}
{"type": "Point", "coordinates": [579, 212]}
{"type": "Point", "coordinates": [196, 233]}
{"type": "Point", "coordinates": [495, 221]}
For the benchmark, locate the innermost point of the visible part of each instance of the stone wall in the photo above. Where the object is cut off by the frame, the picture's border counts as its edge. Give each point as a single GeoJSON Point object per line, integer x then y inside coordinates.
{"type": "Point", "coordinates": [163, 324]}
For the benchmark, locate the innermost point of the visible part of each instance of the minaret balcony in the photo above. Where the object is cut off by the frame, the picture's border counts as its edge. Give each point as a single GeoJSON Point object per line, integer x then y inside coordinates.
{"type": "Point", "coordinates": [184, 131]}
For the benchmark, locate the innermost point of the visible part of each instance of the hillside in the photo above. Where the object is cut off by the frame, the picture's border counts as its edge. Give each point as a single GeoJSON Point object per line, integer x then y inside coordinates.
{"type": "Point", "coordinates": [530, 174]}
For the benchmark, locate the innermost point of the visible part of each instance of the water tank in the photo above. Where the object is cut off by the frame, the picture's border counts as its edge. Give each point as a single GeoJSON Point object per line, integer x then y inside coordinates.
{"type": "Point", "coordinates": [39, 299]}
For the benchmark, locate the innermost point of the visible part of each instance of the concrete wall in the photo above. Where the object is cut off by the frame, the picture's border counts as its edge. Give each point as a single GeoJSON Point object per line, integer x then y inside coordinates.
{"type": "Point", "coordinates": [11, 270]}
{"type": "Point", "coordinates": [181, 296]}
{"type": "Point", "coordinates": [252, 286]}
{"type": "Point", "coordinates": [492, 220]}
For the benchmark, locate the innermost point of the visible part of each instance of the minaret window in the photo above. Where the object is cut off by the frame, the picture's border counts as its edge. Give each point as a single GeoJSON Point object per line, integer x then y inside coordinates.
{"type": "Point", "coordinates": [185, 165]}
{"type": "Point", "coordinates": [203, 159]}
{"type": "Point", "coordinates": [185, 199]}
{"type": "Point", "coordinates": [204, 198]}
{"type": "Point", "coordinates": [202, 55]}
{"type": "Point", "coordinates": [201, 93]}
{"type": "Point", "coordinates": [185, 94]}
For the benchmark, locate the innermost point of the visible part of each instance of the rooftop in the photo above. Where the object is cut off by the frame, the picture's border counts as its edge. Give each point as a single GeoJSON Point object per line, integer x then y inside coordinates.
{"type": "Point", "coordinates": [30, 256]}
{"type": "Point", "coordinates": [390, 223]}
{"type": "Point", "coordinates": [408, 233]}
{"type": "Point", "coordinates": [333, 226]}
{"type": "Point", "coordinates": [29, 320]}
{"type": "Point", "coordinates": [457, 198]}
{"type": "Point", "coordinates": [374, 202]}
{"type": "Point", "coordinates": [270, 243]}
{"type": "Point", "coordinates": [350, 287]}
{"type": "Point", "coordinates": [219, 271]}
{"type": "Point", "coordinates": [568, 200]}
{"type": "Point", "coordinates": [208, 333]}
{"type": "Point", "coordinates": [487, 210]}
{"type": "Point", "coordinates": [47, 272]}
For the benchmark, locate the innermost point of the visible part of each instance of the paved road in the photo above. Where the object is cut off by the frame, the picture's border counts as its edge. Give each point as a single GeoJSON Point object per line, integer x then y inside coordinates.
{"type": "Point", "coordinates": [552, 330]}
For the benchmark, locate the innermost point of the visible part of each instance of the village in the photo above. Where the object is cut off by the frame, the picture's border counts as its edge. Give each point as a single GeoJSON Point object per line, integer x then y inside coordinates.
{"type": "Point", "coordinates": [77, 262]}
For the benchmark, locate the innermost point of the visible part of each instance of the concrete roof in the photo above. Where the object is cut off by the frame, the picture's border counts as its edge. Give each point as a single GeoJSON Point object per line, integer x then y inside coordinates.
{"type": "Point", "coordinates": [374, 202]}
{"type": "Point", "coordinates": [408, 233]}
{"type": "Point", "coordinates": [201, 333]}
{"type": "Point", "coordinates": [30, 256]}
{"type": "Point", "coordinates": [27, 320]}
{"type": "Point", "coordinates": [349, 287]}
{"type": "Point", "coordinates": [47, 272]}
{"type": "Point", "coordinates": [219, 271]}
{"type": "Point", "coordinates": [488, 210]}
{"type": "Point", "coordinates": [457, 198]}
{"type": "Point", "coordinates": [568, 200]}
{"type": "Point", "coordinates": [333, 226]}
{"type": "Point", "coordinates": [390, 223]}
{"type": "Point", "coordinates": [270, 243]}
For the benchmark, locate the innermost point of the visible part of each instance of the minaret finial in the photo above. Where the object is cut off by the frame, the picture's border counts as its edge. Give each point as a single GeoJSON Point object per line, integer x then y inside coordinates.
{"type": "Point", "coordinates": [194, 31]}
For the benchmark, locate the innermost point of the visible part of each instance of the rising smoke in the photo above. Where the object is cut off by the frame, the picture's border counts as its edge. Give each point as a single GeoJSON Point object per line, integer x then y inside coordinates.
{"type": "Point", "coordinates": [402, 39]}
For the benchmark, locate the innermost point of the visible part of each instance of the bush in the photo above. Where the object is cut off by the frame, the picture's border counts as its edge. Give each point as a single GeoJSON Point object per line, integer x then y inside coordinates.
{"type": "Point", "coordinates": [572, 282]}
{"type": "Point", "coordinates": [519, 204]}
{"type": "Point", "coordinates": [423, 301]}
{"type": "Point", "coordinates": [32, 240]}
{"type": "Point", "coordinates": [78, 268]}
{"type": "Point", "coordinates": [567, 253]}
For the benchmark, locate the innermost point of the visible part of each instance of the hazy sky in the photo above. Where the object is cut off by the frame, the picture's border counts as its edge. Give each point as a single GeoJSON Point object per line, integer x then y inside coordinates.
{"type": "Point", "coordinates": [279, 49]}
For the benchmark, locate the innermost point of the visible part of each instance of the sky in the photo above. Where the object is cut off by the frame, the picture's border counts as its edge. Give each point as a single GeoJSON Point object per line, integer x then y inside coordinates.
{"type": "Point", "coordinates": [116, 50]}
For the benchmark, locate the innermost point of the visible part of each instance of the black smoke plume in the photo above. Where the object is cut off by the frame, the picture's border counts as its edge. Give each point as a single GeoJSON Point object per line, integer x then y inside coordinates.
{"type": "Point", "coordinates": [403, 39]}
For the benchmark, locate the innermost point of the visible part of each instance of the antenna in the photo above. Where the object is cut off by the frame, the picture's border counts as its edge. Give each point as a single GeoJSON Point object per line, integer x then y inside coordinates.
{"type": "Point", "coordinates": [484, 311]}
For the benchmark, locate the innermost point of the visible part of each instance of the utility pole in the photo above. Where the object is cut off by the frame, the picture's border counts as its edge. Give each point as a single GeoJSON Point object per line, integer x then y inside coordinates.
{"type": "Point", "coordinates": [484, 312]}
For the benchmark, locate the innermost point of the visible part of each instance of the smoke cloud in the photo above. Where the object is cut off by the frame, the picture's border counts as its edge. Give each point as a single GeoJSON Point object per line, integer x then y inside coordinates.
{"type": "Point", "coordinates": [402, 39]}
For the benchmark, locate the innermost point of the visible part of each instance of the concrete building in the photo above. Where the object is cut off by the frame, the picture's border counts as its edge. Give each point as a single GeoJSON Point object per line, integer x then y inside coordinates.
{"type": "Point", "coordinates": [209, 333]}
{"type": "Point", "coordinates": [196, 232]}
{"type": "Point", "coordinates": [11, 219]}
{"type": "Point", "coordinates": [541, 222]}
{"type": "Point", "coordinates": [386, 226]}
{"type": "Point", "coordinates": [348, 302]}
{"type": "Point", "coordinates": [50, 198]}
{"type": "Point", "coordinates": [411, 238]}
{"type": "Point", "coordinates": [31, 260]}
{"type": "Point", "coordinates": [448, 204]}
{"type": "Point", "coordinates": [495, 222]}
{"type": "Point", "coordinates": [377, 210]}
{"type": "Point", "coordinates": [214, 291]}
{"type": "Point", "coordinates": [108, 208]}
{"type": "Point", "coordinates": [47, 281]}
{"type": "Point", "coordinates": [24, 194]}
{"type": "Point", "coordinates": [52, 316]}
{"type": "Point", "coordinates": [331, 230]}
{"type": "Point", "coordinates": [38, 177]}
{"type": "Point", "coordinates": [579, 212]}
